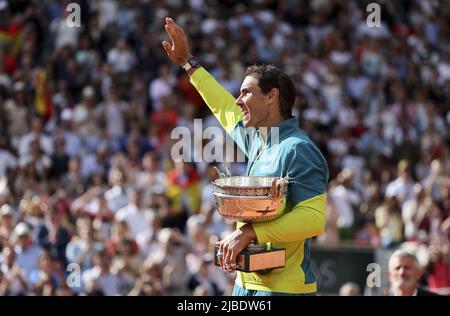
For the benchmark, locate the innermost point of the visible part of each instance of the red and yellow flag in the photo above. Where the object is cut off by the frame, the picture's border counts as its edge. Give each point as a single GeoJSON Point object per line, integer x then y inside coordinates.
{"type": "Point", "coordinates": [11, 41]}
{"type": "Point", "coordinates": [42, 98]}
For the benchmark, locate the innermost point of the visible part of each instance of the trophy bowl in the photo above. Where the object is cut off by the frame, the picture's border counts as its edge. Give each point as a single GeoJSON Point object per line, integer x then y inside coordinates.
{"type": "Point", "coordinates": [250, 199]}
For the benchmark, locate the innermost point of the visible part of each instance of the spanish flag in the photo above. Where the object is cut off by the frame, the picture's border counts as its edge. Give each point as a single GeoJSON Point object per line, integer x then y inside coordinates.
{"type": "Point", "coordinates": [42, 100]}
{"type": "Point", "coordinates": [11, 41]}
{"type": "Point", "coordinates": [184, 188]}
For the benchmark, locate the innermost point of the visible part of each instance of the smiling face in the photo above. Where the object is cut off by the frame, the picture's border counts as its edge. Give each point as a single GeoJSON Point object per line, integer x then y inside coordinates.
{"type": "Point", "coordinates": [253, 103]}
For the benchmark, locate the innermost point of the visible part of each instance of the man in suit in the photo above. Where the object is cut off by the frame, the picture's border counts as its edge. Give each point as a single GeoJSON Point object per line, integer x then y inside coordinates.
{"type": "Point", "coordinates": [404, 274]}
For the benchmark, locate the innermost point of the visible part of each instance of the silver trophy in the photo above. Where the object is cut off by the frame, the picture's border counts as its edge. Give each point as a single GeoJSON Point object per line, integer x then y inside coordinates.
{"type": "Point", "coordinates": [252, 199]}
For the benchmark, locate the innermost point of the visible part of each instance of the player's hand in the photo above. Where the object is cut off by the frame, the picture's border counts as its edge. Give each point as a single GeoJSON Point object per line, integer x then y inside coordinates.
{"type": "Point", "coordinates": [178, 51]}
{"type": "Point", "coordinates": [233, 244]}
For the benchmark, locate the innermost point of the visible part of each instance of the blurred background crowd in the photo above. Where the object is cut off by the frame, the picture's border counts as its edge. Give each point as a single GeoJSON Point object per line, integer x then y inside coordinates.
{"type": "Point", "coordinates": [86, 115]}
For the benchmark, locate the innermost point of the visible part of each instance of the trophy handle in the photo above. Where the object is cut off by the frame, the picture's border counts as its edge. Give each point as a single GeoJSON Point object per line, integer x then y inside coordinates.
{"type": "Point", "coordinates": [227, 172]}
{"type": "Point", "coordinates": [221, 174]}
{"type": "Point", "coordinates": [278, 185]}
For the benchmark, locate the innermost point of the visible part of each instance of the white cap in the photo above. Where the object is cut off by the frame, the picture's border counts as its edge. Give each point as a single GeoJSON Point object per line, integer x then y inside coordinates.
{"type": "Point", "coordinates": [19, 86]}
{"type": "Point", "coordinates": [6, 210]}
{"type": "Point", "coordinates": [22, 229]}
{"type": "Point", "coordinates": [3, 5]}
{"type": "Point", "coordinates": [67, 114]}
{"type": "Point", "coordinates": [88, 92]}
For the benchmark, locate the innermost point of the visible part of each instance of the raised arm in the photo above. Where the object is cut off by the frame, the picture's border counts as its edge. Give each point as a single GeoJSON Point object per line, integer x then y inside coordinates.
{"type": "Point", "coordinates": [179, 51]}
{"type": "Point", "coordinates": [218, 99]}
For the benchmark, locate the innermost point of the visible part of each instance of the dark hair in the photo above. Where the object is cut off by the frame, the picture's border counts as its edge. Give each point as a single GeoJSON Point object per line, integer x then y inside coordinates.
{"type": "Point", "coordinates": [270, 77]}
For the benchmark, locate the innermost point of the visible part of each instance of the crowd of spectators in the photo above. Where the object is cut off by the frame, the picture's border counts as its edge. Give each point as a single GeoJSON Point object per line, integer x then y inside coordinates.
{"type": "Point", "coordinates": [86, 115]}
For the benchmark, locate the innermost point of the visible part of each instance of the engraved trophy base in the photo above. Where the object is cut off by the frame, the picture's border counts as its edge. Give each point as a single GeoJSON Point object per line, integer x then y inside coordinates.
{"type": "Point", "coordinates": [257, 258]}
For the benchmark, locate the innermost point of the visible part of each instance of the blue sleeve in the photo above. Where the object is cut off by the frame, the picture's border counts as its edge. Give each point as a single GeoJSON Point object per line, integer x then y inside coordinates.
{"type": "Point", "coordinates": [307, 171]}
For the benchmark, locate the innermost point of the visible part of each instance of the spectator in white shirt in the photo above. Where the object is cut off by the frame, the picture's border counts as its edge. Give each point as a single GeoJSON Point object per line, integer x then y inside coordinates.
{"type": "Point", "coordinates": [112, 113]}
{"type": "Point", "coordinates": [45, 141]}
{"type": "Point", "coordinates": [100, 279]}
{"type": "Point", "coordinates": [148, 239]}
{"type": "Point", "coordinates": [73, 144]}
{"type": "Point", "coordinates": [12, 273]}
{"type": "Point", "coordinates": [161, 87]}
{"type": "Point", "coordinates": [27, 253]}
{"type": "Point", "coordinates": [151, 179]}
{"type": "Point", "coordinates": [95, 163]}
{"type": "Point", "coordinates": [402, 187]}
{"type": "Point", "coordinates": [121, 57]}
{"type": "Point", "coordinates": [18, 111]}
{"type": "Point", "coordinates": [437, 180]}
{"type": "Point", "coordinates": [116, 196]}
{"type": "Point", "coordinates": [84, 114]}
{"type": "Point", "coordinates": [133, 213]}
{"type": "Point", "coordinates": [354, 162]}
{"type": "Point", "coordinates": [345, 199]}
{"type": "Point", "coordinates": [82, 247]}
{"type": "Point", "coordinates": [63, 33]}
